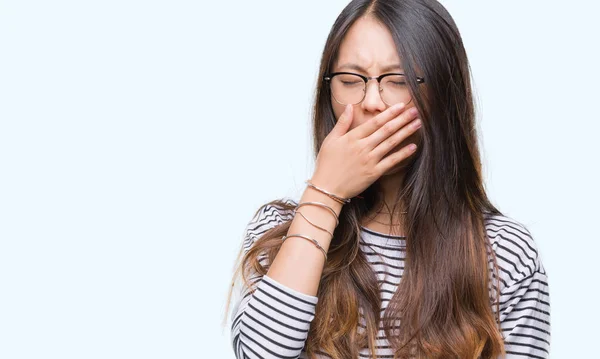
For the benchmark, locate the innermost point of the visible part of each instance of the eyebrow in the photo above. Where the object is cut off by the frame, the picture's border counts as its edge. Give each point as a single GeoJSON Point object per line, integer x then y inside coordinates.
{"type": "Point", "coordinates": [352, 66]}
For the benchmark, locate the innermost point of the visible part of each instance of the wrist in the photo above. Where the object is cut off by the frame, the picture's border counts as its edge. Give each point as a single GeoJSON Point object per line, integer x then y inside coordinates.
{"type": "Point", "coordinates": [332, 191]}
{"type": "Point", "coordinates": [312, 195]}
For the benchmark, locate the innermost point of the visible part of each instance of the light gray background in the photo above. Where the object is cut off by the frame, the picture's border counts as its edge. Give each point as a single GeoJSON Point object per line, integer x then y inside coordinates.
{"type": "Point", "coordinates": [138, 138]}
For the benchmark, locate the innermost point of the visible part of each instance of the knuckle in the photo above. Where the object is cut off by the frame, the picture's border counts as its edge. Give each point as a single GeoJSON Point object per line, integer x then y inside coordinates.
{"type": "Point", "coordinates": [369, 172]}
{"type": "Point", "coordinates": [372, 173]}
{"type": "Point", "coordinates": [393, 141]}
{"type": "Point", "coordinates": [367, 159]}
{"type": "Point", "coordinates": [388, 128]}
{"type": "Point", "coordinates": [379, 121]}
{"type": "Point", "coordinates": [357, 147]}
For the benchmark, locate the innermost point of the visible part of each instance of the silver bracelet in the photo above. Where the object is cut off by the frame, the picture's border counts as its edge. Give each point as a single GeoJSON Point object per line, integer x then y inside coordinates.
{"type": "Point", "coordinates": [337, 221]}
{"type": "Point", "coordinates": [309, 239]}
{"type": "Point", "coordinates": [303, 216]}
{"type": "Point", "coordinates": [338, 198]}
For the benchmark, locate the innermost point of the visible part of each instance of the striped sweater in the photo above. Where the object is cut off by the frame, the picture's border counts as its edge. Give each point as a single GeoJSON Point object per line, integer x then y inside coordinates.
{"type": "Point", "coordinates": [273, 321]}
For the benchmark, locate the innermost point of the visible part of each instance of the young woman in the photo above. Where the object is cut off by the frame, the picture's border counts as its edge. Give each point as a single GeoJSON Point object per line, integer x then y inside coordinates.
{"type": "Point", "coordinates": [392, 251]}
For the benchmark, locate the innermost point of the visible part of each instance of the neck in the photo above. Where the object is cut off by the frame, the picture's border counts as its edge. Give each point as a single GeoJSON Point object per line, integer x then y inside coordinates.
{"type": "Point", "coordinates": [389, 185]}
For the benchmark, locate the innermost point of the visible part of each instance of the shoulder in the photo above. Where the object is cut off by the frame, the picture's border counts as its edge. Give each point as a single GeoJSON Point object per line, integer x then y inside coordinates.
{"type": "Point", "coordinates": [514, 246]}
{"type": "Point", "coordinates": [268, 216]}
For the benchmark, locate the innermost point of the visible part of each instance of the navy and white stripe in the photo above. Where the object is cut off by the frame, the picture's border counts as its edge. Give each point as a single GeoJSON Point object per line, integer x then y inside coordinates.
{"type": "Point", "coordinates": [524, 293]}
{"type": "Point", "coordinates": [273, 321]}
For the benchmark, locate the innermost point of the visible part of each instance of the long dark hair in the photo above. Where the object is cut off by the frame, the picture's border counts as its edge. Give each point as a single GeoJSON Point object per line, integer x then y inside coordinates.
{"type": "Point", "coordinates": [444, 299]}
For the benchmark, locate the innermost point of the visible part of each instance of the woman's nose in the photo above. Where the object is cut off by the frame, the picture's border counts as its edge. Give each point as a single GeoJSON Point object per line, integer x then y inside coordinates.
{"type": "Point", "coordinates": [373, 101]}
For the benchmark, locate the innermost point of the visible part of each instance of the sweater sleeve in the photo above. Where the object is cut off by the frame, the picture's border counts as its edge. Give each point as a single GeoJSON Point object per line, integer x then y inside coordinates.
{"type": "Point", "coordinates": [524, 296]}
{"type": "Point", "coordinates": [525, 317]}
{"type": "Point", "coordinates": [269, 319]}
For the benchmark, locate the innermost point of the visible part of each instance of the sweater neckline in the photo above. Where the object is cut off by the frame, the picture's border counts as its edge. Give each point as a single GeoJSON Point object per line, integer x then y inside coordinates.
{"type": "Point", "coordinates": [379, 234]}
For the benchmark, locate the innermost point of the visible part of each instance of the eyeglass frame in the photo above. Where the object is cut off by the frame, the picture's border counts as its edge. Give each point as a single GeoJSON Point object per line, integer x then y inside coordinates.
{"type": "Point", "coordinates": [366, 80]}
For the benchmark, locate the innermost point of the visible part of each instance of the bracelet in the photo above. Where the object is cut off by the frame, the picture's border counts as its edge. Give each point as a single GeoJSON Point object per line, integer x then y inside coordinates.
{"type": "Point", "coordinates": [331, 195]}
{"type": "Point", "coordinates": [337, 222]}
{"type": "Point", "coordinates": [307, 238]}
{"type": "Point", "coordinates": [303, 216]}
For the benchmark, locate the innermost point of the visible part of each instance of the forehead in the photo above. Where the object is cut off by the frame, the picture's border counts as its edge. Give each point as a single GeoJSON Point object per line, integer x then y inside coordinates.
{"type": "Point", "coordinates": [369, 44]}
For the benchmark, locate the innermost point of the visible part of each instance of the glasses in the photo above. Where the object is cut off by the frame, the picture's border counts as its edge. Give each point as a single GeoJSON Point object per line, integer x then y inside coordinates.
{"type": "Point", "coordinates": [349, 88]}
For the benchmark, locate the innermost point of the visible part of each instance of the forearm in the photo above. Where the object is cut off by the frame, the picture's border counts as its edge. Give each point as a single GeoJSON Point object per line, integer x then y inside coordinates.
{"type": "Point", "coordinates": [299, 264]}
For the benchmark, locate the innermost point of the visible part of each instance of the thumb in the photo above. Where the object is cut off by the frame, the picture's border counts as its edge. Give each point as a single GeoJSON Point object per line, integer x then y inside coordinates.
{"type": "Point", "coordinates": [343, 123]}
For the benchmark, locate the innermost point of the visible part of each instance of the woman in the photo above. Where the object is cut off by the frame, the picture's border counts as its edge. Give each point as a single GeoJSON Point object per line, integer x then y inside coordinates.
{"type": "Point", "coordinates": [391, 252]}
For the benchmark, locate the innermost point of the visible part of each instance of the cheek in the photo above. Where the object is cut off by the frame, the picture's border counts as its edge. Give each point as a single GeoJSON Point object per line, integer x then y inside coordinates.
{"type": "Point", "coordinates": [337, 109]}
